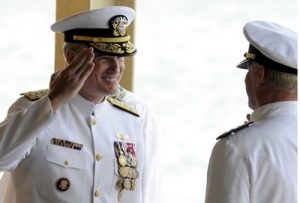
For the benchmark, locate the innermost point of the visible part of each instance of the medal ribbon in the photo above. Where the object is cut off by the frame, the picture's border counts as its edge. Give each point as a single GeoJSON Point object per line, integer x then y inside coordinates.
{"type": "Point", "coordinates": [127, 164]}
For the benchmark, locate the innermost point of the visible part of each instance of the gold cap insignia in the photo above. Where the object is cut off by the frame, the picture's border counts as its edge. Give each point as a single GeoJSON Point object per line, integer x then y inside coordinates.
{"type": "Point", "coordinates": [105, 29]}
{"type": "Point", "coordinates": [119, 25]}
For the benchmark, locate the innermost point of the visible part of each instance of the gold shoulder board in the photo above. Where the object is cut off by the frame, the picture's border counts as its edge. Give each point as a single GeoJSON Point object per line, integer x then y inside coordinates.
{"type": "Point", "coordinates": [123, 106]}
{"type": "Point", "coordinates": [35, 95]}
{"type": "Point", "coordinates": [120, 94]}
{"type": "Point", "coordinates": [234, 130]}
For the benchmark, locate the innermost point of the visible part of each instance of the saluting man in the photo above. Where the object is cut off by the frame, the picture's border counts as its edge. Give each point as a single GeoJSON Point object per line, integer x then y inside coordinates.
{"type": "Point", "coordinates": [85, 139]}
{"type": "Point", "coordinates": [257, 162]}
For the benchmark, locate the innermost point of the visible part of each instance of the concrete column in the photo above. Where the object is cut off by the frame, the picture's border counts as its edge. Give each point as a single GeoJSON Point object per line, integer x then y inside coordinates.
{"type": "Point", "coordinates": [63, 9]}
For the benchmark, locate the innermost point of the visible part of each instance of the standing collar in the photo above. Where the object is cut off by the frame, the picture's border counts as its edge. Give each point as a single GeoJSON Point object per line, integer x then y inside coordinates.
{"type": "Point", "coordinates": [85, 106]}
{"type": "Point", "coordinates": [274, 109]}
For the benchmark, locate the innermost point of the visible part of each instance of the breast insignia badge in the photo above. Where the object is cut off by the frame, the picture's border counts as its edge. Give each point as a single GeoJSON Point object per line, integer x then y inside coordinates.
{"type": "Point", "coordinates": [66, 143]}
{"type": "Point", "coordinates": [63, 184]}
{"type": "Point", "coordinates": [122, 137]}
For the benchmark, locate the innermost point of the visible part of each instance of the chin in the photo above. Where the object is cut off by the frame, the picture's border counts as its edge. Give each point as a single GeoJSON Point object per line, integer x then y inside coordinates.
{"type": "Point", "coordinates": [112, 91]}
{"type": "Point", "coordinates": [251, 106]}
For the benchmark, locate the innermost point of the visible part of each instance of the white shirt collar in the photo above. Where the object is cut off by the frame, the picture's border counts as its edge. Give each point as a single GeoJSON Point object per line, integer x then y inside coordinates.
{"type": "Point", "coordinates": [273, 109]}
{"type": "Point", "coordinates": [85, 106]}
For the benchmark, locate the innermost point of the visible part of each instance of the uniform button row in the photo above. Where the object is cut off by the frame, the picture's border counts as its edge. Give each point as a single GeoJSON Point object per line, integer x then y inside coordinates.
{"type": "Point", "coordinates": [94, 122]}
{"type": "Point", "coordinates": [97, 193]}
{"type": "Point", "coordinates": [98, 157]}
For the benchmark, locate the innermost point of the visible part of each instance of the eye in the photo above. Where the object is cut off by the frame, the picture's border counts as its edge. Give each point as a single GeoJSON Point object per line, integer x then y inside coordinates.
{"type": "Point", "coordinates": [101, 57]}
{"type": "Point", "coordinates": [119, 58]}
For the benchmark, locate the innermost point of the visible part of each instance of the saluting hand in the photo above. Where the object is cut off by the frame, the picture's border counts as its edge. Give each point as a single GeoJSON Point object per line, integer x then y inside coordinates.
{"type": "Point", "coordinates": [65, 84]}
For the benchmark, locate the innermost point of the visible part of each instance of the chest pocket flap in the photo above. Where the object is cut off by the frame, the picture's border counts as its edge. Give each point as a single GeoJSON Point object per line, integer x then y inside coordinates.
{"type": "Point", "coordinates": [65, 157]}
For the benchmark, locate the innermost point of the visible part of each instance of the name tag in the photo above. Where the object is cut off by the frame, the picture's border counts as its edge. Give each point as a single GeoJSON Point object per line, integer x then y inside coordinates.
{"type": "Point", "coordinates": [66, 143]}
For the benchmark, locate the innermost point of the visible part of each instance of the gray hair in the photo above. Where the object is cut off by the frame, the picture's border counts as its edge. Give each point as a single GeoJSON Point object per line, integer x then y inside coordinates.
{"type": "Point", "coordinates": [72, 45]}
{"type": "Point", "coordinates": [281, 80]}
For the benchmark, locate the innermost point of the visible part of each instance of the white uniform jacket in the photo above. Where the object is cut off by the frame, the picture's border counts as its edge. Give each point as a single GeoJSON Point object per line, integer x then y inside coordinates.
{"type": "Point", "coordinates": [257, 164]}
{"type": "Point", "coordinates": [69, 156]}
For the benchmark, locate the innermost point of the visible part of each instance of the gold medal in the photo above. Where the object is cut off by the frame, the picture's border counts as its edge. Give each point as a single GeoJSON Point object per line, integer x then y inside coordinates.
{"type": "Point", "coordinates": [133, 173]}
{"type": "Point", "coordinates": [136, 174]}
{"type": "Point", "coordinates": [127, 184]}
{"type": "Point", "coordinates": [122, 160]}
{"type": "Point", "coordinates": [133, 184]}
{"type": "Point", "coordinates": [123, 171]}
{"type": "Point", "coordinates": [127, 172]}
{"type": "Point", "coordinates": [133, 161]}
{"type": "Point", "coordinates": [128, 160]}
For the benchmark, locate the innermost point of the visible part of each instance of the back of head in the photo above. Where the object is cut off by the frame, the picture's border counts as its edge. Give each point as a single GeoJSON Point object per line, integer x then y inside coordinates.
{"type": "Point", "coordinates": [274, 47]}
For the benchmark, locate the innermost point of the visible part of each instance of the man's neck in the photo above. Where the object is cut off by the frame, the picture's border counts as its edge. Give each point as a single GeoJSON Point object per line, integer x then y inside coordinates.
{"type": "Point", "coordinates": [92, 98]}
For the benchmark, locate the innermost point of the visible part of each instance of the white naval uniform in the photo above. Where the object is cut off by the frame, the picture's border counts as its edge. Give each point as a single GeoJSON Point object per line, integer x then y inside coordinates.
{"type": "Point", "coordinates": [35, 165]}
{"type": "Point", "coordinates": [257, 164]}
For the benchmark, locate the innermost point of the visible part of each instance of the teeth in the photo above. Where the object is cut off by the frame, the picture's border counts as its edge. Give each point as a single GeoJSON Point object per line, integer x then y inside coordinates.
{"type": "Point", "coordinates": [110, 78]}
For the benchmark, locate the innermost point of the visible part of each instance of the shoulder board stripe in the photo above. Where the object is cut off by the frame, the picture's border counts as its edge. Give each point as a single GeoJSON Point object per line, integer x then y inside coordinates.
{"type": "Point", "coordinates": [234, 130]}
{"type": "Point", "coordinates": [35, 95]}
{"type": "Point", "coordinates": [123, 106]}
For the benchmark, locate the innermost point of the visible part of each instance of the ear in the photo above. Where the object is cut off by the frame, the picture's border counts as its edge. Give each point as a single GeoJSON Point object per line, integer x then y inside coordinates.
{"type": "Point", "coordinates": [70, 55]}
{"type": "Point", "coordinates": [260, 76]}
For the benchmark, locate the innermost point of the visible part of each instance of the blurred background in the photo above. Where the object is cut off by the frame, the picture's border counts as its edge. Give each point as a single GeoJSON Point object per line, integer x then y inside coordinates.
{"type": "Point", "coordinates": [184, 69]}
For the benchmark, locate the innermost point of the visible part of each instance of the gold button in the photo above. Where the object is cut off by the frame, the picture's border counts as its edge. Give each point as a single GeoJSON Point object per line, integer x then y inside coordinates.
{"type": "Point", "coordinates": [98, 157]}
{"type": "Point", "coordinates": [94, 122]}
{"type": "Point", "coordinates": [97, 193]}
{"type": "Point", "coordinates": [66, 162]}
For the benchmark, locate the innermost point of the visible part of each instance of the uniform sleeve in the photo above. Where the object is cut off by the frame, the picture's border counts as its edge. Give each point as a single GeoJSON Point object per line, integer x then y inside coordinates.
{"type": "Point", "coordinates": [227, 176]}
{"type": "Point", "coordinates": [151, 176]}
{"type": "Point", "coordinates": [18, 132]}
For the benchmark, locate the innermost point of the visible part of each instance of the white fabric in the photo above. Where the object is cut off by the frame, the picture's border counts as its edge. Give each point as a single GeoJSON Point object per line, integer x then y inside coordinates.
{"type": "Point", "coordinates": [35, 164]}
{"type": "Point", "coordinates": [274, 41]}
{"type": "Point", "coordinates": [95, 19]}
{"type": "Point", "coordinates": [257, 164]}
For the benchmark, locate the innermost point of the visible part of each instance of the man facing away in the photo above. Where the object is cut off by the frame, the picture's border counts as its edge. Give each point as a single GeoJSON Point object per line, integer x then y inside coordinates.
{"type": "Point", "coordinates": [257, 162]}
{"type": "Point", "coordinates": [76, 142]}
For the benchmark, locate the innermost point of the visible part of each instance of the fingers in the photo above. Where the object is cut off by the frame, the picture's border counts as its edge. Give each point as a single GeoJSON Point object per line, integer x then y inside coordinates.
{"type": "Point", "coordinates": [54, 77]}
{"type": "Point", "coordinates": [86, 73]}
{"type": "Point", "coordinates": [65, 84]}
{"type": "Point", "coordinates": [82, 60]}
{"type": "Point", "coordinates": [87, 63]}
{"type": "Point", "coordinates": [86, 70]}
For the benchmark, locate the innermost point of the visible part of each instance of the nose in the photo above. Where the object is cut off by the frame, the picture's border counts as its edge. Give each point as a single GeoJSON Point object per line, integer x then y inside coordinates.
{"type": "Point", "coordinates": [114, 61]}
{"type": "Point", "coordinates": [114, 64]}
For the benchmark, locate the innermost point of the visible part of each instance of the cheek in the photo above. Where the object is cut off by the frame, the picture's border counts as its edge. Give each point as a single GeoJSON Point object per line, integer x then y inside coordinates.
{"type": "Point", "coordinates": [246, 80]}
{"type": "Point", "coordinates": [97, 71]}
{"type": "Point", "coordinates": [94, 77]}
{"type": "Point", "coordinates": [248, 83]}
{"type": "Point", "coordinates": [122, 68]}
